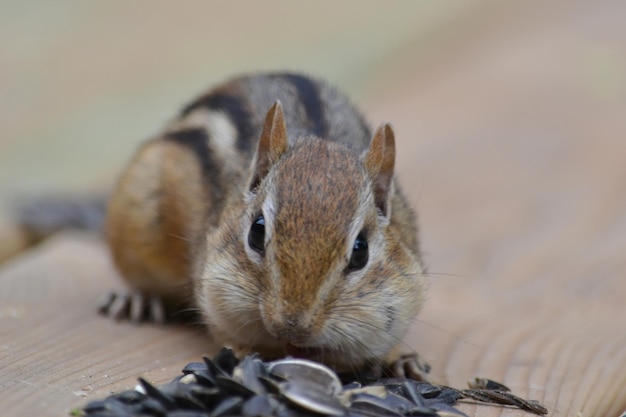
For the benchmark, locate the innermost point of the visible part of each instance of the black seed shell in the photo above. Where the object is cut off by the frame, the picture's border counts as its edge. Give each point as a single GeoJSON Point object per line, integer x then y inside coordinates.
{"type": "Point", "coordinates": [223, 386]}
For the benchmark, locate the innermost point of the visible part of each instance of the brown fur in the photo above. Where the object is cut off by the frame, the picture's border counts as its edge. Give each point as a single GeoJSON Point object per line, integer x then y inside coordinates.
{"type": "Point", "coordinates": [180, 217]}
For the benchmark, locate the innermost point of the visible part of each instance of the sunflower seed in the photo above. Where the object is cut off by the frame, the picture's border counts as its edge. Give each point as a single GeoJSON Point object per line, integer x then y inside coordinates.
{"type": "Point", "coordinates": [130, 397]}
{"type": "Point", "coordinates": [206, 396]}
{"type": "Point", "coordinates": [259, 405]}
{"type": "Point", "coordinates": [213, 369]}
{"type": "Point", "coordinates": [270, 385]}
{"type": "Point", "coordinates": [403, 405]}
{"type": "Point", "coordinates": [193, 367]}
{"type": "Point", "coordinates": [307, 371]}
{"type": "Point", "coordinates": [346, 396]}
{"type": "Point", "coordinates": [230, 405]}
{"type": "Point", "coordinates": [154, 393]}
{"type": "Point", "coordinates": [153, 406]}
{"type": "Point", "coordinates": [249, 371]}
{"type": "Point", "coordinates": [223, 386]}
{"type": "Point", "coordinates": [410, 392]}
{"type": "Point", "coordinates": [484, 383]}
{"type": "Point", "coordinates": [374, 404]}
{"type": "Point", "coordinates": [187, 413]}
{"type": "Point", "coordinates": [505, 398]}
{"type": "Point", "coordinates": [232, 387]}
{"type": "Point", "coordinates": [312, 398]}
{"type": "Point", "coordinates": [352, 385]}
{"type": "Point", "coordinates": [226, 360]}
{"type": "Point", "coordinates": [361, 413]}
{"type": "Point", "coordinates": [188, 379]}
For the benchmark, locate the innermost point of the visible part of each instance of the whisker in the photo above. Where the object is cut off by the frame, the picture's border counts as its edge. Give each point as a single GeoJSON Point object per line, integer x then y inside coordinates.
{"type": "Point", "coordinates": [444, 274]}
{"type": "Point", "coordinates": [441, 329]}
{"type": "Point", "coordinates": [181, 237]}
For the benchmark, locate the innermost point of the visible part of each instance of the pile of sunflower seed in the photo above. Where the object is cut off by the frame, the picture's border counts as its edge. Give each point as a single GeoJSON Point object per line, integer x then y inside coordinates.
{"type": "Point", "coordinates": [225, 386]}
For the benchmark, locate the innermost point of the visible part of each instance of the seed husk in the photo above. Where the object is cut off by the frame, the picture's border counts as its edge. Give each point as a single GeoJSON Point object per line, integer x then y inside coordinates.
{"type": "Point", "coordinates": [228, 406]}
{"type": "Point", "coordinates": [187, 413]}
{"type": "Point", "coordinates": [312, 398]}
{"type": "Point", "coordinates": [375, 405]}
{"type": "Point", "coordinates": [504, 398]}
{"type": "Point", "coordinates": [188, 379]}
{"type": "Point", "coordinates": [249, 372]}
{"type": "Point", "coordinates": [222, 386]}
{"type": "Point", "coordinates": [194, 367]}
{"type": "Point", "coordinates": [154, 393]}
{"type": "Point", "coordinates": [260, 405]}
{"type": "Point", "coordinates": [485, 383]}
{"type": "Point", "coordinates": [232, 387]}
{"type": "Point", "coordinates": [306, 371]}
{"type": "Point", "coordinates": [226, 360]}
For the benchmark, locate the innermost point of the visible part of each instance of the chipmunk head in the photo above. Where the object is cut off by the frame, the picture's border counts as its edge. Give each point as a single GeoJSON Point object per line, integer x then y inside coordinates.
{"type": "Point", "coordinates": [321, 273]}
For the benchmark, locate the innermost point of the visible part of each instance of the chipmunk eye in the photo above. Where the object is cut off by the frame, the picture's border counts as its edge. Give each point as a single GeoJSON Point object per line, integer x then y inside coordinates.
{"type": "Point", "coordinates": [256, 236]}
{"type": "Point", "coordinates": [360, 253]}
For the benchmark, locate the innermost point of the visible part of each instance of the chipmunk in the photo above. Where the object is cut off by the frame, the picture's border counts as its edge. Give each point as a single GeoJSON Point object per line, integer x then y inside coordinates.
{"type": "Point", "coordinates": [269, 206]}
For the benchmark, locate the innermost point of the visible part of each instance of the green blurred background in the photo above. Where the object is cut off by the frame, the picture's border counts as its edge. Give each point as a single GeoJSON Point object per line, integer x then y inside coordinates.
{"type": "Point", "coordinates": [83, 82]}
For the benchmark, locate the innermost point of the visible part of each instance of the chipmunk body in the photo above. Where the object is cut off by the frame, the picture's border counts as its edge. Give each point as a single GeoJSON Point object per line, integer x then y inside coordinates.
{"type": "Point", "coordinates": [269, 205]}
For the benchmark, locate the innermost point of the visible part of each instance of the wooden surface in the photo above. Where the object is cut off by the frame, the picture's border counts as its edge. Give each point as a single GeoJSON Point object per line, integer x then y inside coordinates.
{"type": "Point", "coordinates": [511, 122]}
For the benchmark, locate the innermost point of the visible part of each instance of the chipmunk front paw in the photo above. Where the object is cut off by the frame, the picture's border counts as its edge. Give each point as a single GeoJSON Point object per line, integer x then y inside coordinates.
{"type": "Point", "coordinates": [402, 363]}
{"type": "Point", "coordinates": [134, 306]}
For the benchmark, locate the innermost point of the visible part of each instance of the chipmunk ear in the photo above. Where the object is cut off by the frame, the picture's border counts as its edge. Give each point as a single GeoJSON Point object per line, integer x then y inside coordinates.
{"type": "Point", "coordinates": [271, 146]}
{"type": "Point", "coordinates": [380, 161]}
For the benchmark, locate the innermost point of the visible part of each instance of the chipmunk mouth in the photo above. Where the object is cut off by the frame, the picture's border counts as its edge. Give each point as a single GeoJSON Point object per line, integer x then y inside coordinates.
{"type": "Point", "coordinates": [325, 355]}
{"type": "Point", "coordinates": [302, 352]}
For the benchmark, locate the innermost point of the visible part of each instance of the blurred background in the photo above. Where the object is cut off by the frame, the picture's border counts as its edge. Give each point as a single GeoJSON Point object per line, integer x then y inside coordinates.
{"type": "Point", "coordinates": [83, 83]}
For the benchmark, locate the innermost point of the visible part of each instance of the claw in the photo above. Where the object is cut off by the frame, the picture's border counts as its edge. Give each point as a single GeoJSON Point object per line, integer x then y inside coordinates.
{"type": "Point", "coordinates": [105, 302]}
{"type": "Point", "coordinates": [136, 307]}
{"type": "Point", "coordinates": [137, 304]}
{"type": "Point", "coordinates": [410, 366]}
{"type": "Point", "coordinates": [157, 310]}
{"type": "Point", "coordinates": [119, 307]}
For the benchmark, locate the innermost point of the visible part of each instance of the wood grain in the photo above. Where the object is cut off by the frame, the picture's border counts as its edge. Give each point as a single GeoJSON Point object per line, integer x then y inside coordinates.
{"type": "Point", "coordinates": [57, 351]}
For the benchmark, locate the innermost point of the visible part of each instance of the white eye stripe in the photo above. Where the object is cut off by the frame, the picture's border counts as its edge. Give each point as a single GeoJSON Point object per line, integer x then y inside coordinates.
{"type": "Point", "coordinates": [269, 211]}
{"type": "Point", "coordinates": [366, 199]}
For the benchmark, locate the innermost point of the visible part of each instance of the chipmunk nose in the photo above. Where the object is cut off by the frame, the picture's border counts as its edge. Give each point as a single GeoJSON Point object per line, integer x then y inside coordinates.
{"type": "Point", "coordinates": [292, 329]}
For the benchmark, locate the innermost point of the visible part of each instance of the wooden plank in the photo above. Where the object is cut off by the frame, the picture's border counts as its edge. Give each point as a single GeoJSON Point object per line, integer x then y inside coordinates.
{"type": "Point", "coordinates": [57, 352]}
